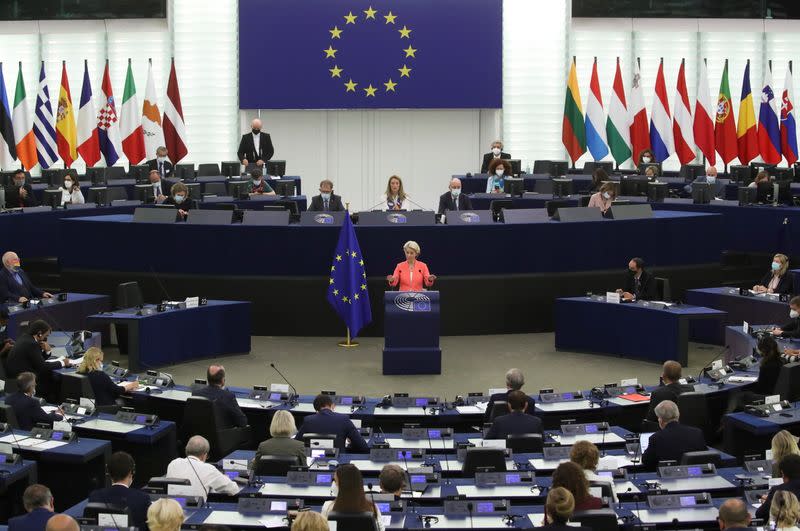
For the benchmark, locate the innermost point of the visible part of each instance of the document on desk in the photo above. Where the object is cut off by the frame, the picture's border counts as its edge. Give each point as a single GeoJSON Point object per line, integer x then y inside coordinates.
{"type": "Point", "coordinates": [254, 404]}
{"type": "Point", "coordinates": [477, 409]}
{"type": "Point", "coordinates": [172, 394]}
{"type": "Point", "coordinates": [111, 426]}
{"type": "Point", "coordinates": [49, 445]}
{"type": "Point", "coordinates": [537, 519]}
{"type": "Point", "coordinates": [742, 379]}
{"type": "Point", "coordinates": [400, 411]}
{"type": "Point", "coordinates": [411, 444]}
{"type": "Point", "coordinates": [12, 438]}
{"type": "Point", "coordinates": [563, 406]}
{"type": "Point", "coordinates": [49, 409]}
{"type": "Point", "coordinates": [309, 408]}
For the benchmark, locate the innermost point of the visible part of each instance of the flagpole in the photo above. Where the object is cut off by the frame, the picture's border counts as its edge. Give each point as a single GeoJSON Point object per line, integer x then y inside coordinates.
{"type": "Point", "coordinates": [348, 343]}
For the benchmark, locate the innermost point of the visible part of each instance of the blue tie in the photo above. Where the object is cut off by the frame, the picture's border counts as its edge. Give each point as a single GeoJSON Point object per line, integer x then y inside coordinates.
{"type": "Point", "coordinates": [18, 278]}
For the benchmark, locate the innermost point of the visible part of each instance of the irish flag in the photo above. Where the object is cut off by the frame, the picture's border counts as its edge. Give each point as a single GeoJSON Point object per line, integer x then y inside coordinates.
{"type": "Point", "coordinates": [23, 126]}
{"type": "Point", "coordinates": [130, 127]}
{"type": "Point", "coordinates": [573, 134]}
{"type": "Point", "coordinates": [618, 123]}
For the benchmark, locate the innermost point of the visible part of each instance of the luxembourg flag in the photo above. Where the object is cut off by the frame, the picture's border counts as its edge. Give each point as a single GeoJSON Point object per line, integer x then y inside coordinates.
{"type": "Point", "coordinates": [682, 124]}
{"type": "Point", "coordinates": [660, 120]}
{"type": "Point", "coordinates": [788, 124]}
{"type": "Point", "coordinates": [595, 119]}
{"type": "Point", "coordinates": [769, 134]}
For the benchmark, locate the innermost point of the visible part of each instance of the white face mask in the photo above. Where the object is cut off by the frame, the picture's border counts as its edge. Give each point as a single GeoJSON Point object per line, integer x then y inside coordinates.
{"type": "Point", "coordinates": [646, 160]}
{"type": "Point", "coordinates": [161, 159]}
{"type": "Point", "coordinates": [794, 314]}
{"type": "Point", "coordinates": [499, 172]}
{"type": "Point", "coordinates": [456, 192]}
{"type": "Point", "coordinates": [711, 179]}
{"type": "Point", "coordinates": [606, 195]}
{"type": "Point", "coordinates": [99, 365]}
{"type": "Point", "coordinates": [496, 151]}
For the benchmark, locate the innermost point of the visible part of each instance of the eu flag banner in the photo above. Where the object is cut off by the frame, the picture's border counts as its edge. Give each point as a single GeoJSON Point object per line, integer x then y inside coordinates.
{"type": "Point", "coordinates": [343, 54]}
{"type": "Point", "coordinates": [347, 285]}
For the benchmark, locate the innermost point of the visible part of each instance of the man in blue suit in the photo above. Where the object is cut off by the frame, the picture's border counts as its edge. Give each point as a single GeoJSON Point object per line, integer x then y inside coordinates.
{"type": "Point", "coordinates": [326, 421]}
{"type": "Point", "coordinates": [717, 186]}
{"type": "Point", "coordinates": [15, 286]}
{"type": "Point", "coordinates": [514, 382]}
{"type": "Point", "coordinates": [28, 409]}
{"type": "Point", "coordinates": [516, 422]}
{"type": "Point", "coordinates": [121, 469]}
{"type": "Point", "coordinates": [38, 501]}
{"type": "Point", "coordinates": [229, 414]}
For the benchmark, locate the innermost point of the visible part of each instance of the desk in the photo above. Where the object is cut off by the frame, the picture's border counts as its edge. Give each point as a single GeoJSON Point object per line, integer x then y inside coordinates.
{"type": "Point", "coordinates": [795, 280]}
{"type": "Point", "coordinates": [637, 330]}
{"type": "Point", "coordinates": [746, 434]}
{"type": "Point", "coordinates": [68, 315]}
{"type": "Point", "coordinates": [741, 344]}
{"type": "Point", "coordinates": [204, 179]}
{"type": "Point", "coordinates": [14, 479]}
{"type": "Point", "coordinates": [257, 203]}
{"type": "Point", "coordinates": [175, 336]}
{"type": "Point", "coordinates": [755, 309]}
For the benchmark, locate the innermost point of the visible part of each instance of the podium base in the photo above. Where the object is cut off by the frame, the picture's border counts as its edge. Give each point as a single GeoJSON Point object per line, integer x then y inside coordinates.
{"type": "Point", "coordinates": [348, 344]}
{"type": "Point", "coordinates": [412, 361]}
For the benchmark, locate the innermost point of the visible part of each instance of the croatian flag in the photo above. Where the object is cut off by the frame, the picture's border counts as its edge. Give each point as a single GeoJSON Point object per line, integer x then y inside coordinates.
{"type": "Point", "coordinates": [108, 122]}
{"type": "Point", "coordinates": [595, 119]}
{"type": "Point", "coordinates": [660, 120]}
{"type": "Point", "coordinates": [769, 134]}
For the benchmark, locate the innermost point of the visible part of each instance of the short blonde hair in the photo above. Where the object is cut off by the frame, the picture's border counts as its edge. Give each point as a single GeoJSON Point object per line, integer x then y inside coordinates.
{"type": "Point", "coordinates": [282, 424]}
{"type": "Point", "coordinates": [559, 505]}
{"type": "Point", "coordinates": [585, 454]}
{"type": "Point", "coordinates": [165, 514]}
{"type": "Point", "coordinates": [310, 521]}
{"type": "Point", "coordinates": [414, 246]}
{"type": "Point", "coordinates": [784, 263]}
{"type": "Point", "coordinates": [783, 444]}
{"type": "Point", "coordinates": [785, 509]}
{"type": "Point", "coordinates": [91, 360]}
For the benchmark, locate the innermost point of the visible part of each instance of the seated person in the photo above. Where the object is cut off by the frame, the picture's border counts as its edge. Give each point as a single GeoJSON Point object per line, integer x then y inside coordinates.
{"type": "Point", "coordinates": [392, 479]}
{"type": "Point", "coordinates": [645, 157]}
{"type": "Point", "coordinates": [165, 514]}
{"type": "Point", "coordinates": [161, 188]}
{"type": "Point", "coordinates": [19, 194]}
{"type": "Point", "coordinates": [351, 497]}
{"type": "Point", "coordinates": [791, 330]}
{"type": "Point", "coordinates": [229, 414]}
{"type": "Point", "coordinates": [496, 152]}
{"type": "Point", "coordinates": [204, 477]}
{"type": "Point", "coordinates": [717, 187]}
{"type": "Point", "coordinates": [6, 343]}
{"type": "Point", "coordinates": [38, 502]}
{"type": "Point", "coordinates": [282, 429]}
{"type": "Point", "coordinates": [768, 371]}
{"type": "Point", "coordinates": [558, 509]}
{"type": "Point", "coordinates": [674, 439]}
{"type": "Point", "coordinates": [603, 198]}
{"type": "Point", "coordinates": [651, 173]}
{"type": "Point", "coordinates": [395, 197]}
{"type": "Point", "coordinates": [179, 198]}
{"type": "Point", "coordinates": [790, 472]}
{"type": "Point", "coordinates": [161, 163]}
{"type": "Point", "coordinates": [599, 176]}
{"type": "Point", "coordinates": [453, 199]}
{"type": "Point", "coordinates": [306, 521]}
{"type": "Point", "coordinates": [514, 382]}
{"type": "Point", "coordinates": [71, 191]}
{"type": "Point", "coordinates": [63, 522]}
{"type": "Point", "coordinates": [499, 169]}
{"type": "Point", "coordinates": [669, 389]}
{"type": "Point", "coordinates": [326, 201]}
{"type": "Point", "coordinates": [516, 422]}
{"type": "Point", "coordinates": [27, 409]}
{"type": "Point", "coordinates": [15, 286]}
{"type": "Point", "coordinates": [120, 469]}
{"type": "Point", "coordinates": [571, 477]}
{"type": "Point", "coordinates": [106, 392]}
{"type": "Point", "coordinates": [777, 279]}
{"type": "Point", "coordinates": [326, 421]}
{"type": "Point", "coordinates": [586, 455]}
{"type": "Point", "coordinates": [784, 511]}
{"type": "Point", "coordinates": [640, 285]}
{"type": "Point", "coordinates": [30, 353]}
{"type": "Point", "coordinates": [257, 185]}
{"type": "Point", "coordinates": [762, 177]}
{"type": "Point", "coordinates": [733, 515]}
{"type": "Point", "coordinates": [783, 444]}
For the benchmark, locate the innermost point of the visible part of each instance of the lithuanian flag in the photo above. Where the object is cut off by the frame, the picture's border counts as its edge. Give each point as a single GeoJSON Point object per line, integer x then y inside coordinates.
{"type": "Point", "coordinates": [573, 133]}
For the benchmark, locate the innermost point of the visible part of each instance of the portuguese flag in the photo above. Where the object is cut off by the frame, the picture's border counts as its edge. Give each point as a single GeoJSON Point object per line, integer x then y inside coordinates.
{"type": "Point", "coordinates": [573, 133]}
{"type": "Point", "coordinates": [725, 128]}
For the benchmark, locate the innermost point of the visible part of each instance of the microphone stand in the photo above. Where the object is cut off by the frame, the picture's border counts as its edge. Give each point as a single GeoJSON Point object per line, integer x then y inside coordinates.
{"type": "Point", "coordinates": [295, 399]}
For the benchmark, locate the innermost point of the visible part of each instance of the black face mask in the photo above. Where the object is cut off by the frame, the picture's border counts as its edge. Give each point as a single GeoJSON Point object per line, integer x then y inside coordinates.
{"type": "Point", "coordinates": [256, 131]}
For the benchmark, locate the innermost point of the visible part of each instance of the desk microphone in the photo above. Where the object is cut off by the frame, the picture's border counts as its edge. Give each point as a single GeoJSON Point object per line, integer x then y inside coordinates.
{"type": "Point", "coordinates": [205, 490]}
{"type": "Point", "coordinates": [383, 435]}
{"type": "Point", "coordinates": [381, 202]}
{"type": "Point", "coordinates": [372, 499]}
{"type": "Point", "coordinates": [707, 366]}
{"type": "Point", "coordinates": [638, 514]}
{"type": "Point", "coordinates": [417, 204]}
{"type": "Point", "coordinates": [469, 508]}
{"type": "Point", "coordinates": [294, 390]}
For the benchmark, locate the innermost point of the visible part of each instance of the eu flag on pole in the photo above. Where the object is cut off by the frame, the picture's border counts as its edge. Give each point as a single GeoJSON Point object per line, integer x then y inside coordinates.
{"type": "Point", "coordinates": [347, 285]}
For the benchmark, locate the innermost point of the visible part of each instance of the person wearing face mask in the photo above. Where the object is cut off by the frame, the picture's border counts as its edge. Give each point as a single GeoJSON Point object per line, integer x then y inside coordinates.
{"type": "Point", "coordinates": [454, 199]}
{"type": "Point", "coordinates": [257, 185]}
{"type": "Point", "coordinates": [791, 330]}
{"type": "Point", "coordinates": [161, 188]}
{"type": "Point", "coordinates": [179, 198]}
{"type": "Point", "coordinates": [30, 354]}
{"type": "Point", "coordinates": [19, 194]}
{"type": "Point", "coordinates": [604, 198]}
{"type": "Point", "coordinates": [161, 163]}
{"type": "Point", "coordinates": [717, 187]}
{"type": "Point", "coordinates": [499, 169]}
{"type": "Point", "coordinates": [777, 279]}
{"type": "Point", "coordinates": [495, 153]}
{"type": "Point", "coordinates": [28, 409]}
{"type": "Point", "coordinates": [15, 286]}
{"type": "Point", "coordinates": [326, 201]}
{"type": "Point", "coordinates": [646, 157]}
{"type": "Point", "coordinates": [639, 284]}
{"type": "Point", "coordinates": [255, 146]}
{"type": "Point", "coordinates": [106, 392]}
{"type": "Point", "coordinates": [71, 191]}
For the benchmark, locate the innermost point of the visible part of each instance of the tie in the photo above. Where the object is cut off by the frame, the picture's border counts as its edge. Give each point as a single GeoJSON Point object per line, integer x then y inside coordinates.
{"type": "Point", "coordinates": [326, 205]}
{"type": "Point", "coordinates": [161, 169]}
{"type": "Point", "coordinates": [158, 190]}
{"type": "Point", "coordinates": [455, 202]}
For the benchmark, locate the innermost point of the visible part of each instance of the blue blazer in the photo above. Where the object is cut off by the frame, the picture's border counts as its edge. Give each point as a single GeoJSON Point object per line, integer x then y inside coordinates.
{"type": "Point", "coordinates": [36, 520]}
{"type": "Point", "coordinates": [503, 397]}
{"type": "Point", "coordinates": [135, 500]}
{"type": "Point", "coordinates": [515, 423]}
{"type": "Point", "coordinates": [11, 290]}
{"type": "Point", "coordinates": [671, 443]}
{"type": "Point", "coordinates": [29, 411]}
{"type": "Point", "coordinates": [225, 405]}
{"type": "Point", "coordinates": [327, 421]}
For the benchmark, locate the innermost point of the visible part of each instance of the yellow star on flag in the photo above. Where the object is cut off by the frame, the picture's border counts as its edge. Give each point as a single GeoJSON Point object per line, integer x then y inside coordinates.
{"type": "Point", "coordinates": [370, 90]}
{"type": "Point", "coordinates": [410, 51]}
{"type": "Point", "coordinates": [351, 87]}
{"type": "Point", "coordinates": [355, 296]}
{"type": "Point", "coordinates": [350, 18]}
{"type": "Point", "coordinates": [330, 52]}
{"type": "Point", "coordinates": [390, 85]}
{"type": "Point", "coordinates": [361, 263]}
{"type": "Point", "coordinates": [405, 33]}
{"type": "Point", "coordinates": [404, 71]}
{"type": "Point", "coordinates": [353, 254]}
{"type": "Point", "coordinates": [338, 258]}
{"type": "Point", "coordinates": [390, 18]}
{"type": "Point", "coordinates": [363, 287]}
{"type": "Point", "coordinates": [331, 281]}
{"type": "Point", "coordinates": [345, 299]}
{"type": "Point", "coordinates": [335, 292]}
{"type": "Point", "coordinates": [335, 32]}
{"type": "Point", "coordinates": [333, 268]}
{"type": "Point", "coordinates": [364, 275]}
{"type": "Point", "coordinates": [335, 71]}
{"type": "Point", "coordinates": [370, 13]}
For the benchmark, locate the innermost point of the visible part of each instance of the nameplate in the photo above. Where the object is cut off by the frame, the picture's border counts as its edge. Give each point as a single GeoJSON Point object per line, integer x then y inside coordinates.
{"type": "Point", "coordinates": [64, 426]}
{"type": "Point", "coordinates": [613, 297]}
{"type": "Point", "coordinates": [745, 327]}
{"type": "Point", "coordinates": [192, 302]}
{"type": "Point", "coordinates": [772, 399]}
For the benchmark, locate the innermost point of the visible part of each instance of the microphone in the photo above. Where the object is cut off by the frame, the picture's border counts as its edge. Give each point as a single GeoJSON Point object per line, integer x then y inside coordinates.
{"type": "Point", "coordinates": [603, 428]}
{"type": "Point", "coordinates": [294, 390]}
{"type": "Point", "coordinates": [205, 490]}
{"type": "Point", "coordinates": [469, 508]}
{"type": "Point", "coordinates": [636, 501]}
{"type": "Point", "coordinates": [706, 367]}
{"type": "Point", "coordinates": [383, 435]}
{"type": "Point", "coordinates": [379, 203]}
{"type": "Point", "coordinates": [417, 204]}
{"type": "Point", "coordinates": [372, 498]}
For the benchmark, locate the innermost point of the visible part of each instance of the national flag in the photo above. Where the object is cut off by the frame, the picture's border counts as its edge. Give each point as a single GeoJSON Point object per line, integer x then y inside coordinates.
{"type": "Point", "coordinates": [769, 134]}
{"type": "Point", "coordinates": [23, 126]}
{"type": "Point", "coordinates": [43, 121]}
{"type": "Point", "coordinates": [573, 133]}
{"type": "Point", "coordinates": [788, 124]}
{"type": "Point", "coordinates": [746, 135]}
{"type": "Point", "coordinates": [130, 126]}
{"type": "Point", "coordinates": [704, 118]}
{"type": "Point", "coordinates": [88, 138]}
{"type": "Point", "coordinates": [725, 128]}
{"type": "Point", "coordinates": [595, 119]}
{"type": "Point", "coordinates": [347, 285]}
{"type": "Point", "coordinates": [618, 130]}
{"type": "Point", "coordinates": [66, 131]}
{"type": "Point", "coordinates": [640, 135]}
{"type": "Point", "coordinates": [682, 130]}
{"type": "Point", "coordinates": [174, 126]}
{"type": "Point", "coordinates": [108, 122]}
{"type": "Point", "coordinates": [8, 146]}
{"type": "Point", "coordinates": [660, 120]}
{"type": "Point", "coordinates": [151, 118]}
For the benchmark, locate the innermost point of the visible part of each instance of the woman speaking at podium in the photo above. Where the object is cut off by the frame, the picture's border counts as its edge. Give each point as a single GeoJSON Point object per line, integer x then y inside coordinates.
{"type": "Point", "coordinates": [412, 274]}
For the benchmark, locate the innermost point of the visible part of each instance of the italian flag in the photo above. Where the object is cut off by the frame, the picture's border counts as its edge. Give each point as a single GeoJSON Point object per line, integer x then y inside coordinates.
{"type": "Point", "coordinates": [23, 126]}
{"type": "Point", "coordinates": [130, 126]}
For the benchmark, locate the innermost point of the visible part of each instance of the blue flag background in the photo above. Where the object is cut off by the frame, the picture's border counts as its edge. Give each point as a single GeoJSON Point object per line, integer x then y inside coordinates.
{"type": "Point", "coordinates": [347, 286]}
{"type": "Point", "coordinates": [342, 54]}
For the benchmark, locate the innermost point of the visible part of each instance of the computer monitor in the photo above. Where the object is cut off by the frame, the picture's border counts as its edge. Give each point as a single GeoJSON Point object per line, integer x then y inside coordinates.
{"type": "Point", "coordinates": [633, 185]}
{"type": "Point", "coordinates": [53, 177]}
{"type": "Point", "coordinates": [143, 193]}
{"type": "Point", "coordinates": [276, 168]}
{"type": "Point", "coordinates": [184, 171]}
{"type": "Point", "coordinates": [756, 167]}
{"type": "Point", "coordinates": [701, 193]}
{"type": "Point", "coordinates": [96, 176]}
{"type": "Point", "coordinates": [516, 166]}
{"type": "Point", "coordinates": [513, 186]}
{"type": "Point", "coordinates": [291, 206]}
{"type": "Point", "coordinates": [543, 167]}
{"type": "Point", "coordinates": [765, 192]}
{"type": "Point", "coordinates": [746, 195]}
{"type": "Point", "coordinates": [237, 188]}
{"type": "Point", "coordinates": [497, 206]}
{"type": "Point", "coordinates": [98, 195]}
{"type": "Point", "coordinates": [194, 191]}
{"type": "Point", "coordinates": [51, 198]}
{"type": "Point", "coordinates": [284, 188]}
{"type": "Point", "coordinates": [655, 165]}
{"type": "Point", "coordinates": [784, 191]}
{"type": "Point", "coordinates": [690, 171]}
{"type": "Point", "coordinates": [606, 165]}
{"type": "Point", "coordinates": [114, 173]}
{"type": "Point", "coordinates": [562, 187]}
{"type": "Point", "coordinates": [230, 168]}
{"type": "Point", "coordinates": [656, 192]}
{"type": "Point", "coordinates": [139, 172]}
{"type": "Point", "coordinates": [740, 174]}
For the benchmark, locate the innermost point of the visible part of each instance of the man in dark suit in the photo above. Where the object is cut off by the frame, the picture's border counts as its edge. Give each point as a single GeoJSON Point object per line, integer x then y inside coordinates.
{"type": "Point", "coordinates": [640, 285]}
{"type": "Point", "coordinates": [790, 471]}
{"type": "Point", "coordinates": [6, 343]}
{"type": "Point", "coordinates": [514, 382]}
{"type": "Point", "coordinates": [19, 193]}
{"type": "Point", "coordinates": [30, 353]}
{"type": "Point", "coordinates": [516, 422]}
{"type": "Point", "coordinates": [454, 199]}
{"type": "Point", "coordinates": [674, 439]}
{"type": "Point", "coordinates": [161, 188]}
{"type": "Point", "coordinates": [733, 515]}
{"type": "Point", "coordinates": [224, 400]}
{"type": "Point", "coordinates": [38, 502]}
{"type": "Point", "coordinates": [161, 164]}
{"type": "Point", "coordinates": [326, 421]}
{"type": "Point", "coordinates": [495, 153]}
{"type": "Point", "coordinates": [27, 409]}
{"type": "Point", "coordinates": [326, 201]}
{"type": "Point", "coordinates": [669, 390]}
{"type": "Point", "coordinates": [255, 146]}
{"type": "Point", "coordinates": [15, 286]}
{"type": "Point", "coordinates": [791, 330]}
{"type": "Point", "coordinates": [121, 469]}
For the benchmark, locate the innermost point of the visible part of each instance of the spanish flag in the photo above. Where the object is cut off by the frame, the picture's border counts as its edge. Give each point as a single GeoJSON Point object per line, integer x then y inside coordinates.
{"type": "Point", "coordinates": [66, 132]}
{"type": "Point", "coordinates": [573, 132]}
{"type": "Point", "coordinates": [746, 136]}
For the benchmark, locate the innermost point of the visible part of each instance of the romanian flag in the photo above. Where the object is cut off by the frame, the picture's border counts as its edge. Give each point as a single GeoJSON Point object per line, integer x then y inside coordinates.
{"type": "Point", "coordinates": [66, 132]}
{"type": "Point", "coordinates": [573, 133]}
{"type": "Point", "coordinates": [746, 136]}
{"type": "Point", "coordinates": [725, 129]}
